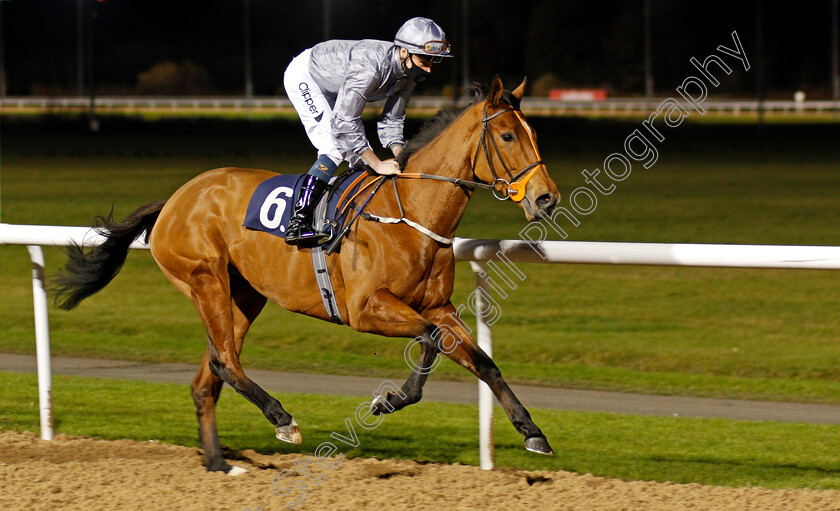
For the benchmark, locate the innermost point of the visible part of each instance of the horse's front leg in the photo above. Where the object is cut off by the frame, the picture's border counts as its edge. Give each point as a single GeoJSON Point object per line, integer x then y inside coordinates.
{"type": "Point", "coordinates": [457, 344]}
{"type": "Point", "coordinates": [386, 314]}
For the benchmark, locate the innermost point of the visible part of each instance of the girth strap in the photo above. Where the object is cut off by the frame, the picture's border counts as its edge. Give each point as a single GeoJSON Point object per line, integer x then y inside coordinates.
{"type": "Point", "coordinates": [322, 274]}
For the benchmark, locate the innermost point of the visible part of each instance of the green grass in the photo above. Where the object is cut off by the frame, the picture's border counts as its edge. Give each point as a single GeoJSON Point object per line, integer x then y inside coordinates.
{"type": "Point", "coordinates": [758, 334]}
{"type": "Point", "coordinates": [719, 452]}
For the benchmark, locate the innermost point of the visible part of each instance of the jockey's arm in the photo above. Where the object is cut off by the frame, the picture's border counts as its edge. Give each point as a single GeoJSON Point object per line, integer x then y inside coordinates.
{"type": "Point", "coordinates": [392, 121]}
{"type": "Point", "coordinates": [347, 121]}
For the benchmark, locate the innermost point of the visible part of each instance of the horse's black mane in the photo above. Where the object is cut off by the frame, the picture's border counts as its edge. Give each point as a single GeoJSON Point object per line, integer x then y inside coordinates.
{"type": "Point", "coordinates": [434, 126]}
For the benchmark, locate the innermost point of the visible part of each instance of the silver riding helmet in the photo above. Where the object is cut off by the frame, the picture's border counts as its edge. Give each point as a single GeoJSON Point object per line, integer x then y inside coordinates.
{"type": "Point", "coordinates": [423, 36]}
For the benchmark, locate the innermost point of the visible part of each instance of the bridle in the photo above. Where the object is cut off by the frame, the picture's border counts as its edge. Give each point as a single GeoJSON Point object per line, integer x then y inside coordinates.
{"type": "Point", "coordinates": [512, 188]}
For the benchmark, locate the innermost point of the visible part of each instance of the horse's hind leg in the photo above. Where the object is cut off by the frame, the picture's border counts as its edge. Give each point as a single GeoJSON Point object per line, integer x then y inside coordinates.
{"type": "Point", "coordinates": [384, 312]}
{"type": "Point", "coordinates": [211, 294]}
{"type": "Point", "coordinates": [206, 388]}
{"type": "Point", "coordinates": [246, 305]}
{"type": "Point", "coordinates": [412, 389]}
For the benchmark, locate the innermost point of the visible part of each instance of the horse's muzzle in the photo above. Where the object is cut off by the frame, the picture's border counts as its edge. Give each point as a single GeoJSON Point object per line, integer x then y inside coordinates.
{"type": "Point", "coordinates": [545, 204]}
{"type": "Point", "coordinates": [539, 207]}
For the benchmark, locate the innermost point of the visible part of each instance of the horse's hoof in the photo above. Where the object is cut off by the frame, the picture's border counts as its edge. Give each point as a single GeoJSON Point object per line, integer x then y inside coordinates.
{"type": "Point", "coordinates": [290, 433]}
{"type": "Point", "coordinates": [539, 445]}
{"type": "Point", "coordinates": [218, 465]}
{"type": "Point", "coordinates": [235, 471]}
{"type": "Point", "coordinates": [379, 406]}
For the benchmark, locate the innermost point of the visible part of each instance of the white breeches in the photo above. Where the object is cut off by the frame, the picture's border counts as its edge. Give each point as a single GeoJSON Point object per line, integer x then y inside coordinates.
{"type": "Point", "coordinates": [314, 110]}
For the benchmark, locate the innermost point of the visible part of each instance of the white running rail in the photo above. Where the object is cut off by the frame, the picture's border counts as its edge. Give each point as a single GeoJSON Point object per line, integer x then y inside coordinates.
{"type": "Point", "coordinates": [479, 253]}
{"type": "Point", "coordinates": [276, 104]}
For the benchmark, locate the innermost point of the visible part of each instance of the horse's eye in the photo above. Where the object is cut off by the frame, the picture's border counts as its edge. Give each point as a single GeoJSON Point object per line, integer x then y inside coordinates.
{"type": "Point", "coordinates": [507, 137]}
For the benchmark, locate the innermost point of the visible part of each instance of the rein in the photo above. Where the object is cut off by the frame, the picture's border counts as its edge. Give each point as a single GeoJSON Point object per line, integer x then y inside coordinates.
{"type": "Point", "coordinates": [402, 219]}
{"type": "Point", "coordinates": [513, 189]}
{"type": "Point", "coordinates": [378, 181]}
{"type": "Point", "coordinates": [454, 180]}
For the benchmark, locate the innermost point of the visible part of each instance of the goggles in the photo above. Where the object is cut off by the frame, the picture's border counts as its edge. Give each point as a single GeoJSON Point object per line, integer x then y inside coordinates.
{"type": "Point", "coordinates": [432, 49]}
{"type": "Point", "coordinates": [436, 47]}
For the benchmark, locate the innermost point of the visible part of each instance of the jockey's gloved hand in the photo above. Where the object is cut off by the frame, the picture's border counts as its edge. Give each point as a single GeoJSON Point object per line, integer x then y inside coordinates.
{"type": "Point", "coordinates": [386, 167]}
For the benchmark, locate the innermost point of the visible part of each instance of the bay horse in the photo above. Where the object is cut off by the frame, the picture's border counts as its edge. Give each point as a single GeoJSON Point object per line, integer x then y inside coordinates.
{"type": "Point", "coordinates": [391, 280]}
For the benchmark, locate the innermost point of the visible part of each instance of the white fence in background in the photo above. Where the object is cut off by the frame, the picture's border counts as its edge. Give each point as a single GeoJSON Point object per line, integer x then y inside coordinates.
{"type": "Point", "coordinates": [477, 252]}
{"type": "Point", "coordinates": [277, 104]}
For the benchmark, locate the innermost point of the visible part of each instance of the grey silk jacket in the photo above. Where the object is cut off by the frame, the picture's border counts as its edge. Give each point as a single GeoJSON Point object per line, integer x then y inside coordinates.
{"type": "Point", "coordinates": [354, 73]}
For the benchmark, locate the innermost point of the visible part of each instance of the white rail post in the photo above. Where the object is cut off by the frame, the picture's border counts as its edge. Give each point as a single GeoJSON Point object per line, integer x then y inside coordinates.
{"type": "Point", "coordinates": [42, 341]}
{"type": "Point", "coordinates": [485, 395]}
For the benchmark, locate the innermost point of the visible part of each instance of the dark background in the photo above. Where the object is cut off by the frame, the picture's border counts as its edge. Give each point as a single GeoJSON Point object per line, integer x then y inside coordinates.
{"type": "Point", "coordinates": [580, 44]}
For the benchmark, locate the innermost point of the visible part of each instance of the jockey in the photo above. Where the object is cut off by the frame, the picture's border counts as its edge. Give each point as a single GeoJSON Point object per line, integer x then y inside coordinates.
{"type": "Point", "coordinates": [331, 83]}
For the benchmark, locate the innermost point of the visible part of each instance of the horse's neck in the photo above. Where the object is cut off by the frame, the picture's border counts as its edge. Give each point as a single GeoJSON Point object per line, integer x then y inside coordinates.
{"type": "Point", "coordinates": [439, 205]}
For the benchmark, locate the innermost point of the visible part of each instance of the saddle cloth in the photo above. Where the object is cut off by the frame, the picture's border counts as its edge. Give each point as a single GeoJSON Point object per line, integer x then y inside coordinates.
{"type": "Point", "coordinates": [272, 203]}
{"type": "Point", "coordinates": [270, 210]}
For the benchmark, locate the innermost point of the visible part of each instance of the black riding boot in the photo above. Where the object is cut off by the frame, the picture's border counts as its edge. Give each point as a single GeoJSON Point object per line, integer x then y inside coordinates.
{"type": "Point", "coordinates": [300, 230]}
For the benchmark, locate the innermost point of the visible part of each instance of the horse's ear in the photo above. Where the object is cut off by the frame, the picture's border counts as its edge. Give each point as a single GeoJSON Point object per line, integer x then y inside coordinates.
{"type": "Point", "coordinates": [495, 91]}
{"type": "Point", "coordinates": [520, 91]}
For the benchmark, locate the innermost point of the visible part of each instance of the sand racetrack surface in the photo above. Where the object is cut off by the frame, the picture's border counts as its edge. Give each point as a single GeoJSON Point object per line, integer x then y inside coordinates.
{"type": "Point", "coordinates": [75, 473]}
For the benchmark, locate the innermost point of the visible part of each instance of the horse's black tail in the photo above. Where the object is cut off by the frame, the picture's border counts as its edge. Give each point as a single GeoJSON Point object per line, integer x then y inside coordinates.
{"type": "Point", "coordinates": [86, 273]}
